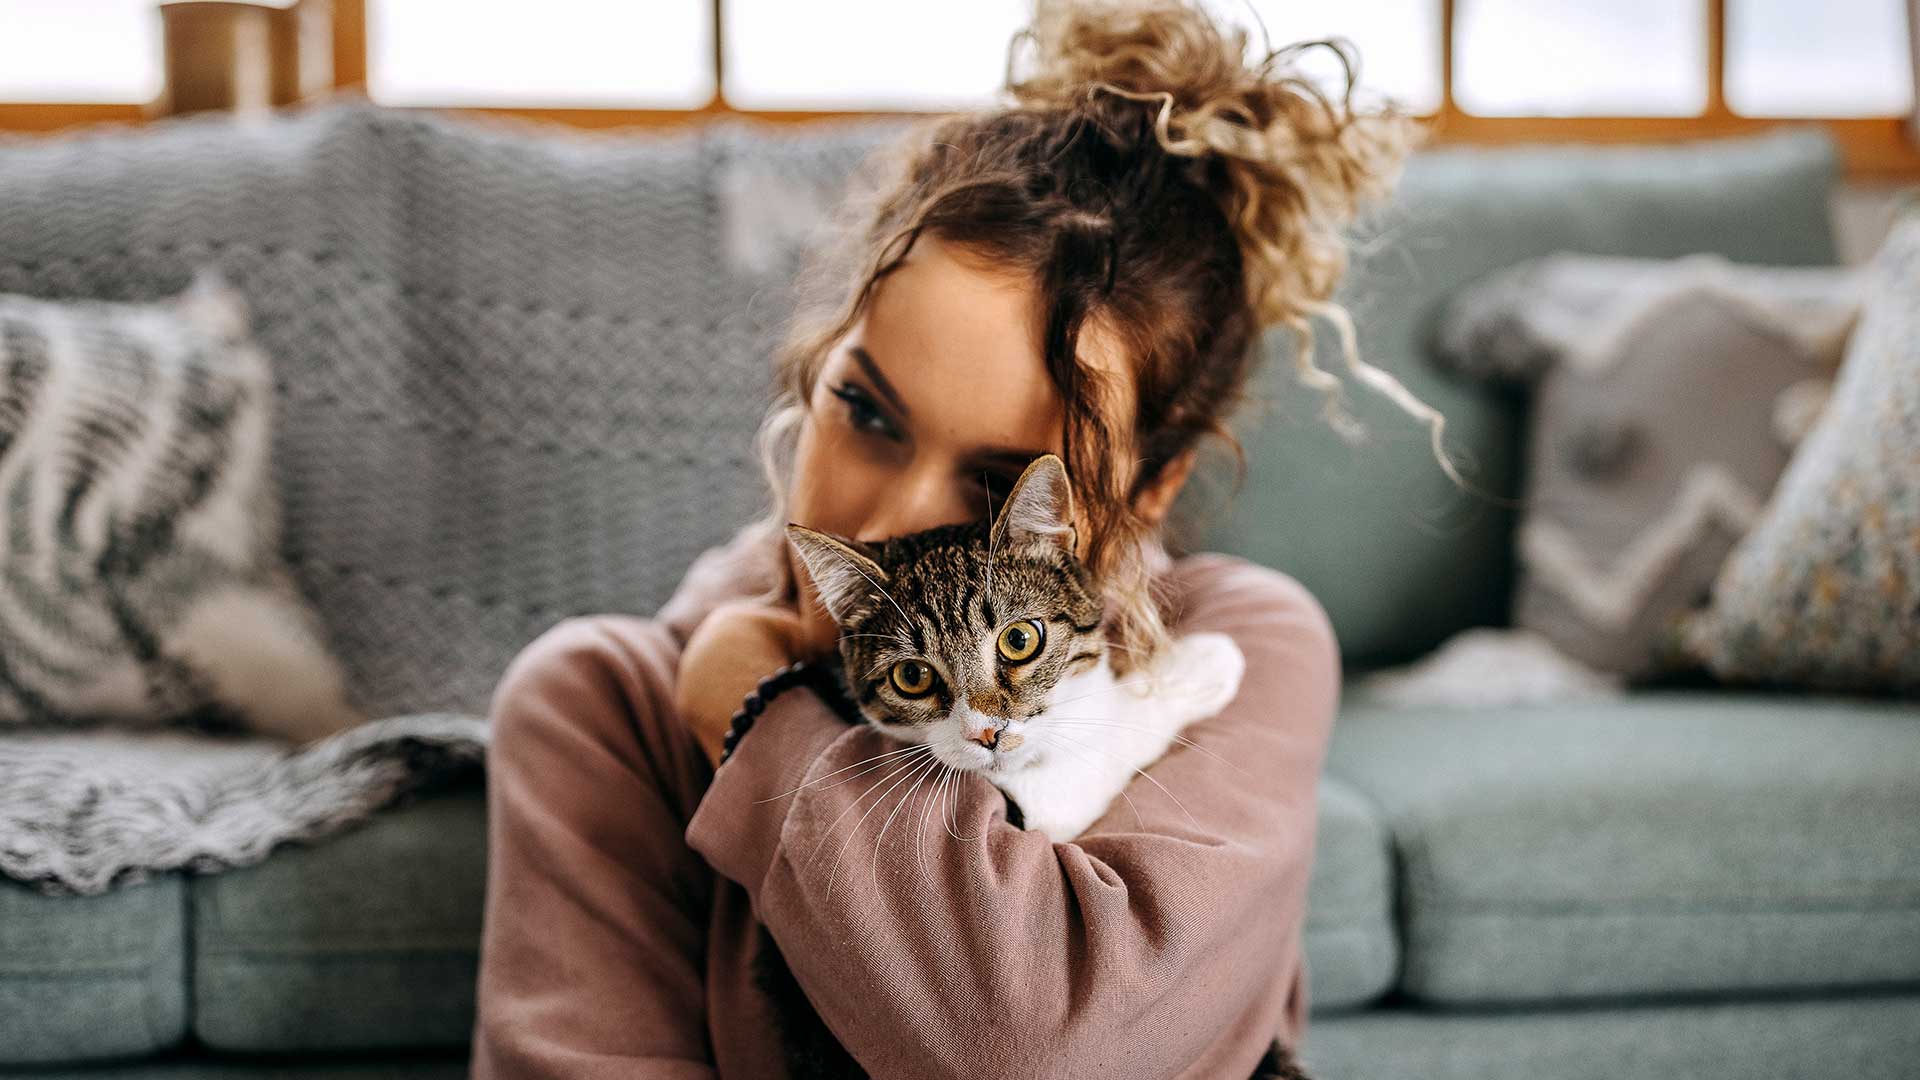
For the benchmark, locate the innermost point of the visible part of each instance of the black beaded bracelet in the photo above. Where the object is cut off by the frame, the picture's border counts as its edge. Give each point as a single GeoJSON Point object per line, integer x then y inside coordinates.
{"type": "Point", "coordinates": [756, 703]}
{"type": "Point", "coordinates": [822, 676]}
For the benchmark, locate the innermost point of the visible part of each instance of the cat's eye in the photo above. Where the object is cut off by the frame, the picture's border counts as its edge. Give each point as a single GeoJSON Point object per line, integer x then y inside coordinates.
{"type": "Point", "coordinates": [1019, 641]}
{"type": "Point", "coordinates": [997, 486]}
{"type": "Point", "coordinates": [912, 678]}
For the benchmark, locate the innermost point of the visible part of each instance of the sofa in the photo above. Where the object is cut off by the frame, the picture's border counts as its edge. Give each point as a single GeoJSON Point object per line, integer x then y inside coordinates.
{"type": "Point", "coordinates": [518, 368]}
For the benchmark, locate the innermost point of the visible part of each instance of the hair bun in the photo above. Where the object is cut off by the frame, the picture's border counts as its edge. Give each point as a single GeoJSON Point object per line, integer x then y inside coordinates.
{"type": "Point", "coordinates": [1296, 164]}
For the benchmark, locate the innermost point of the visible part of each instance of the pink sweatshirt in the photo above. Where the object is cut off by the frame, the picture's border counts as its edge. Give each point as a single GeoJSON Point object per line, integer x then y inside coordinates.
{"type": "Point", "coordinates": [647, 916]}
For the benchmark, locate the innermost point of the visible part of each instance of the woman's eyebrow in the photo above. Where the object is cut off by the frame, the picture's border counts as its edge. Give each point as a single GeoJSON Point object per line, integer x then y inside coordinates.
{"type": "Point", "coordinates": [866, 362]}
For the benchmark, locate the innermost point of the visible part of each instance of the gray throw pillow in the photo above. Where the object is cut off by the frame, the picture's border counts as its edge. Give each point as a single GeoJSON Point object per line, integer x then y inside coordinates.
{"type": "Point", "coordinates": [1825, 590]}
{"type": "Point", "coordinates": [143, 581]}
{"type": "Point", "coordinates": [1667, 397]}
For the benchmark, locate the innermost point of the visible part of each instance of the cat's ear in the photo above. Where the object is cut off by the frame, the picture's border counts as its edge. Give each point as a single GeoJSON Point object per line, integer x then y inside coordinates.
{"type": "Point", "coordinates": [1040, 507]}
{"type": "Point", "coordinates": [844, 576]}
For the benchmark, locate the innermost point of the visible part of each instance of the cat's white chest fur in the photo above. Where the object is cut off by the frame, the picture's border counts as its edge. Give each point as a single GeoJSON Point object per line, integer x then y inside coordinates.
{"type": "Point", "coordinates": [1097, 730]}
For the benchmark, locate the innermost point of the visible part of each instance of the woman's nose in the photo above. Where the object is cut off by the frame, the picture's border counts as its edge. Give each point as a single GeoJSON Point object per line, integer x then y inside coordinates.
{"type": "Point", "coordinates": [920, 498]}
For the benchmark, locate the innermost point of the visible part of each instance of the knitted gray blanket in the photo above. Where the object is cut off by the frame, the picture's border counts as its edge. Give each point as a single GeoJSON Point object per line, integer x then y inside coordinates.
{"type": "Point", "coordinates": [518, 373]}
{"type": "Point", "coordinates": [84, 812]}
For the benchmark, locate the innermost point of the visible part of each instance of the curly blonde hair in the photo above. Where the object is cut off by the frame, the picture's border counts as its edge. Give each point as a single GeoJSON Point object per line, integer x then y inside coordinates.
{"type": "Point", "coordinates": [1155, 186]}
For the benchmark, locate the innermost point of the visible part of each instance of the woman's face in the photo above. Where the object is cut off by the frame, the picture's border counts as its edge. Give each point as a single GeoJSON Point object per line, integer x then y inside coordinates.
{"type": "Point", "coordinates": [934, 400]}
{"type": "Point", "coordinates": [930, 405]}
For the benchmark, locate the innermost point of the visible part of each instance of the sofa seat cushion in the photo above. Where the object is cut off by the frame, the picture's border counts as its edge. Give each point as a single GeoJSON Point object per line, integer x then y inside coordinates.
{"type": "Point", "coordinates": [1667, 842]}
{"type": "Point", "coordinates": [92, 976]}
{"type": "Point", "coordinates": [369, 939]}
{"type": "Point", "coordinates": [1350, 942]}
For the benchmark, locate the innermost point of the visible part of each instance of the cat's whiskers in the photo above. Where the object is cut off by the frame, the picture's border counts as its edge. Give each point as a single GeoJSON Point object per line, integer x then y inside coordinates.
{"type": "Point", "coordinates": [836, 772]}
{"type": "Point", "coordinates": [953, 805]}
{"type": "Point", "coordinates": [926, 811]}
{"type": "Point", "coordinates": [991, 598]}
{"type": "Point", "coordinates": [1085, 721]}
{"type": "Point", "coordinates": [877, 803]}
{"type": "Point", "coordinates": [933, 764]}
{"type": "Point", "coordinates": [1156, 783]}
{"type": "Point", "coordinates": [1130, 650]}
{"type": "Point", "coordinates": [856, 802]}
{"type": "Point", "coordinates": [1149, 681]}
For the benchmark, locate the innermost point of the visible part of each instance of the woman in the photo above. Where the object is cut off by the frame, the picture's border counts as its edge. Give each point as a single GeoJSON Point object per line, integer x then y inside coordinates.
{"type": "Point", "coordinates": [1086, 273]}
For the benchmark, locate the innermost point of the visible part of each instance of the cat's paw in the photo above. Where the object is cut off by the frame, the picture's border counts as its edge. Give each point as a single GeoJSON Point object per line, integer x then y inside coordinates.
{"type": "Point", "coordinates": [1205, 670]}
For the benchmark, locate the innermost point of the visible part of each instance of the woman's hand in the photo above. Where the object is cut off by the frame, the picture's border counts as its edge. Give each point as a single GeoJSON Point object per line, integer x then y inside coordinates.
{"type": "Point", "coordinates": [736, 646]}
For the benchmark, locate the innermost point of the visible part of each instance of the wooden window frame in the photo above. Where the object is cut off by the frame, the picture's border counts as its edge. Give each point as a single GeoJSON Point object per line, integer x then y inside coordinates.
{"type": "Point", "coordinates": [1873, 148]}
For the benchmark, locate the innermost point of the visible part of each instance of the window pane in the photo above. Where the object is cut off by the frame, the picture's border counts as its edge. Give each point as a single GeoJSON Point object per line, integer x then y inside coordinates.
{"type": "Point", "coordinates": [1835, 58]}
{"type": "Point", "coordinates": [872, 54]}
{"type": "Point", "coordinates": [79, 50]}
{"type": "Point", "coordinates": [1581, 58]}
{"type": "Point", "coordinates": [867, 54]}
{"type": "Point", "coordinates": [555, 53]}
{"type": "Point", "coordinates": [1398, 42]}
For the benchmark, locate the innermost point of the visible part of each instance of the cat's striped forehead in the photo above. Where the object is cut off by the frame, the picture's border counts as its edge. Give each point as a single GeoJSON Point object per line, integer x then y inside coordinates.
{"type": "Point", "coordinates": [945, 601]}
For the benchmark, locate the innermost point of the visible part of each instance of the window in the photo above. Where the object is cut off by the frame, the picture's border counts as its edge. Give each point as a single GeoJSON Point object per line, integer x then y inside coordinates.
{"type": "Point", "coordinates": [1398, 42]}
{"type": "Point", "coordinates": [575, 53]}
{"type": "Point", "coordinates": [1578, 58]}
{"type": "Point", "coordinates": [885, 54]}
{"type": "Point", "coordinates": [866, 54]}
{"type": "Point", "coordinates": [79, 50]}
{"type": "Point", "coordinates": [1521, 70]}
{"type": "Point", "coordinates": [1834, 58]}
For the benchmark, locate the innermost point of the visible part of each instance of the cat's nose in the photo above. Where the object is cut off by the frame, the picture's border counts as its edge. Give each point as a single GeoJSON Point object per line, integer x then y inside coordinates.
{"type": "Point", "coordinates": [987, 736]}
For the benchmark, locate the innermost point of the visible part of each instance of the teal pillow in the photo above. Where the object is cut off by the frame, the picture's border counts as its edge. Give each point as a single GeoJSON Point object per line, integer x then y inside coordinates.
{"type": "Point", "coordinates": [1400, 558]}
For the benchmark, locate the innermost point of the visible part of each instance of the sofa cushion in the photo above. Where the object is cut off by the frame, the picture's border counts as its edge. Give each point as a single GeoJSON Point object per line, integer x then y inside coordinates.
{"type": "Point", "coordinates": [91, 976]}
{"type": "Point", "coordinates": [1350, 943]}
{"type": "Point", "coordinates": [1400, 557]}
{"type": "Point", "coordinates": [369, 940]}
{"type": "Point", "coordinates": [1838, 1037]}
{"type": "Point", "coordinates": [1669, 841]}
{"type": "Point", "coordinates": [372, 938]}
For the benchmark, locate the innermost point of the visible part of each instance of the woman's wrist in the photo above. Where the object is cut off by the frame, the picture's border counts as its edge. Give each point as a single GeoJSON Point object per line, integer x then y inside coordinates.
{"type": "Point", "coordinates": [768, 688]}
{"type": "Point", "coordinates": [727, 655]}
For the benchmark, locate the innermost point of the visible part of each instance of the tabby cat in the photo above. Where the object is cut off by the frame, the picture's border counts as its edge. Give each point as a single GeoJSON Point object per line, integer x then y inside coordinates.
{"type": "Point", "coordinates": [983, 641]}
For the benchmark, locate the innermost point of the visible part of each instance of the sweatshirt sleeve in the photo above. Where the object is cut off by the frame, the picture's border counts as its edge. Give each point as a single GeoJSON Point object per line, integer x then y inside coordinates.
{"type": "Point", "coordinates": [935, 939]}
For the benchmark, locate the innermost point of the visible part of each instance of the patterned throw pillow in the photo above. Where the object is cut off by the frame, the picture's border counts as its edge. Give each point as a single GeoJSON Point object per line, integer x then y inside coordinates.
{"type": "Point", "coordinates": [143, 582]}
{"type": "Point", "coordinates": [1825, 591]}
{"type": "Point", "coordinates": [1666, 394]}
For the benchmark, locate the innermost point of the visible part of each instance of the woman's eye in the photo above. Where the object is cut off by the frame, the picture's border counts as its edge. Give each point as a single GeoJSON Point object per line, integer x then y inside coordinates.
{"type": "Point", "coordinates": [912, 678]}
{"type": "Point", "coordinates": [1019, 641]}
{"type": "Point", "coordinates": [998, 486]}
{"type": "Point", "coordinates": [862, 412]}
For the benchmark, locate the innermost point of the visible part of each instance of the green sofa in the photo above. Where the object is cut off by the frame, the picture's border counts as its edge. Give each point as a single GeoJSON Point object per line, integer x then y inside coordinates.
{"type": "Point", "coordinates": [1691, 882]}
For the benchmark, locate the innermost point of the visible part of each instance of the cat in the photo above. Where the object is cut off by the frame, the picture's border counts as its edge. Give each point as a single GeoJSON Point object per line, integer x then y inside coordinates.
{"type": "Point", "coordinates": [984, 642]}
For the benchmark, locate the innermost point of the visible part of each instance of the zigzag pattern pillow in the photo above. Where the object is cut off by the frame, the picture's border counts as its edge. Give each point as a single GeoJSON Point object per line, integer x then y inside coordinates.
{"type": "Point", "coordinates": [142, 577]}
{"type": "Point", "coordinates": [1667, 397]}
